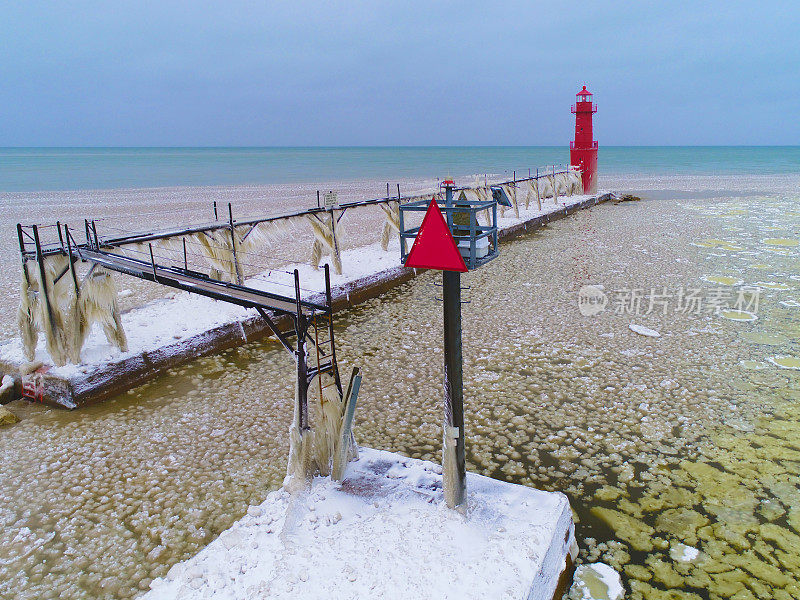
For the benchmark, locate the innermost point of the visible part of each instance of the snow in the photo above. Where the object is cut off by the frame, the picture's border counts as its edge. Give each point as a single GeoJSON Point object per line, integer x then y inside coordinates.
{"type": "Point", "coordinates": [183, 315]}
{"type": "Point", "coordinates": [385, 532]}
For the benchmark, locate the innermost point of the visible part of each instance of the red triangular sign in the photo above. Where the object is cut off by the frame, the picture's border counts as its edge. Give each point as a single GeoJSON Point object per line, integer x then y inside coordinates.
{"type": "Point", "coordinates": [434, 246]}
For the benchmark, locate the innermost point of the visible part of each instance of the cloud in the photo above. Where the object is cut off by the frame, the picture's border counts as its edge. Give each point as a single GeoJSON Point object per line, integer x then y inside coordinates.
{"type": "Point", "coordinates": [441, 73]}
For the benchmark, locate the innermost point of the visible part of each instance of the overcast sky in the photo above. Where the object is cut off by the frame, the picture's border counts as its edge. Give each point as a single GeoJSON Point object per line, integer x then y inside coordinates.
{"type": "Point", "coordinates": [400, 73]}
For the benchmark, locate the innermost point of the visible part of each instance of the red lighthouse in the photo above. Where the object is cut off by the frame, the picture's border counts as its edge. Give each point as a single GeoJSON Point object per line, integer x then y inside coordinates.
{"type": "Point", "coordinates": [583, 151]}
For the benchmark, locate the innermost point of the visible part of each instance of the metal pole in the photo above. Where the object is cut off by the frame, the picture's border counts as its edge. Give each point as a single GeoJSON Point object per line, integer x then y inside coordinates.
{"type": "Point", "coordinates": [300, 357]}
{"type": "Point", "coordinates": [555, 187]}
{"type": "Point", "coordinates": [453, 383]}
{"type": "Point", "coordinates": [185, 259]}
{"type": "Point", "coordinates": [233, 245]}
{"type": "Point", "coordinates": [329, 301]}
{"type": "Point", "coordinates": [402, 239]}
{"type": "Point", "coordinates": [43, 278]}
{"type": "Point", "coordinates": [216, 217]}
{"type": "Point", "coordinates": [153, 263]}
{"type": "Point", "coordinates": [20, 235]}
{"type": "Point", "coordinates": [71, 261]}
{"type": "Point", "coordinates": [336, 255]}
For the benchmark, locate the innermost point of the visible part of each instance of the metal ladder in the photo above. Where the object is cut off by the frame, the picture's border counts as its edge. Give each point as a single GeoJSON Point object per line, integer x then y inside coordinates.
{"type": "Point", "coordinates": [324, 345]}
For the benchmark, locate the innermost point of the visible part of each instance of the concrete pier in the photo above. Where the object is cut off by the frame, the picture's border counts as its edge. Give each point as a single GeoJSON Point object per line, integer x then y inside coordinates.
{"type": "Point", "coordinates": [385, 532]}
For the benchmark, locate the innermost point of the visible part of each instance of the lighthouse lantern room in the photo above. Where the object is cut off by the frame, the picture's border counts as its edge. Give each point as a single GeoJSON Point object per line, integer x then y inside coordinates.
{"type": "Point", "coordinates": [583, 150]}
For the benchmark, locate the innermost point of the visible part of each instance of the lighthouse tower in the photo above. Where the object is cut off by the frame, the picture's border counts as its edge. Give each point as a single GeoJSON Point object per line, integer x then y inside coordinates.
{"type": "Point", "coordinates": [583, 151]}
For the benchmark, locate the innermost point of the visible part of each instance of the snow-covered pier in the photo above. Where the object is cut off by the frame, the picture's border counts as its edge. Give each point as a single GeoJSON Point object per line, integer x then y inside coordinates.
{"type": "Point", "coordinates": [167, 333]}
{"type": "Point", "coordinates": [385, 532]}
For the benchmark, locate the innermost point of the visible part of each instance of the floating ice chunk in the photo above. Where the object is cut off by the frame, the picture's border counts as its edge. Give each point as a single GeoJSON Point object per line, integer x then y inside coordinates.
{"type": "Point", "coordinates": [598, 581]}
{"type": "Point", "coordinates": [683, 553]}
{"type": "Point", "coordinates": [645, 331]}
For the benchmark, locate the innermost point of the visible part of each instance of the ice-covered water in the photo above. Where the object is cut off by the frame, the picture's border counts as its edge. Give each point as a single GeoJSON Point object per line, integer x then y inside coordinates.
{"type": "Point", "coordinates": [687, 440]}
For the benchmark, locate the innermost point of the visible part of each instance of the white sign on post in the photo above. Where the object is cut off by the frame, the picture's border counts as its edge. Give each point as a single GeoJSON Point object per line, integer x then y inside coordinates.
{"type": "Point", "coordinates": [329, 199]}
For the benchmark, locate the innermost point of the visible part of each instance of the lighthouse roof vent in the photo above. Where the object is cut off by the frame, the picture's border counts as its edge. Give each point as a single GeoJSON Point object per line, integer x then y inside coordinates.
{"type": "Point", "coordinates": [584, 93]}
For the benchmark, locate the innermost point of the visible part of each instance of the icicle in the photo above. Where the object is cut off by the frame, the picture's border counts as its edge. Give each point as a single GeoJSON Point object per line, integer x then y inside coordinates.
{"type": "Point", "coordinates": [97, 303]}
{"type": "Point", "coordinates": [27, 315]}
{"type": "Point", "coordinates": [576, 182]}
{"type": "Point", "coordinates": [298, 473]}
{"type": "Point", "coordinates": [533, 184]}
{"type": "Point", "coordinates": [251, 238]}
{"type": "Point", "coordinates": [217, 251]}
{"type": "Point", "coordinates": [545, 186]}
{"type": "Point", "coordinates": [562, 184]}
{"type": "Point", "coordinates": [483, 194]}
{"type": "Point", "coordinates": [327, 424]}
{"type": "Point", "coordinates": [392, 224]}
{"type": "Point", "coordinates": [46, 306]}
{"type": "Point", "coordinates": [511, 191]}
{"type": "Point", "coordinates": [326, 233]}
{"type": "Point", "coordinates": [51, 317]}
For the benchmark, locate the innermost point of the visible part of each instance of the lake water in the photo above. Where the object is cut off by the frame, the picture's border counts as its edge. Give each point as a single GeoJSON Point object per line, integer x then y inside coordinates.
{"type": "Point", "coordinates": [39, 169]}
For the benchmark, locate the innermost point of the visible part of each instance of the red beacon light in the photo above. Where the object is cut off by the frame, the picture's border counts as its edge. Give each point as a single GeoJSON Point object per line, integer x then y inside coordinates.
{"type": "Point", "coordinates": [583, 150]}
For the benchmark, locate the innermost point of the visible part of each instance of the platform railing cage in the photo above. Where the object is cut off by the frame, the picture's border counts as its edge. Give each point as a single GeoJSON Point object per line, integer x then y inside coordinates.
{"type": "Point", "coordinates": [476, 242]}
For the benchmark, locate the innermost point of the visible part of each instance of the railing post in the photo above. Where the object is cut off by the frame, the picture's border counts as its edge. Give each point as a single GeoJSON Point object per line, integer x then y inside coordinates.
{"type": "Point", "coordinates": [555, 186]}
{"type": "Point", "coordinates": [300, 358]}
{"type": "Point", "coordinates": [71, 262]}
{"type": "Point", "coordinates": [329, 301]}
{"type": "Point", "coordinates": [402, 238]}
{"type": "Point", "coordinates": [233, 245]}
{"type": "Point", "coordinates": [42, 274]}
{"type": "Point", "coordinates": [22, 254]}
{"type": "Point", "coordinates": [153, 262]}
